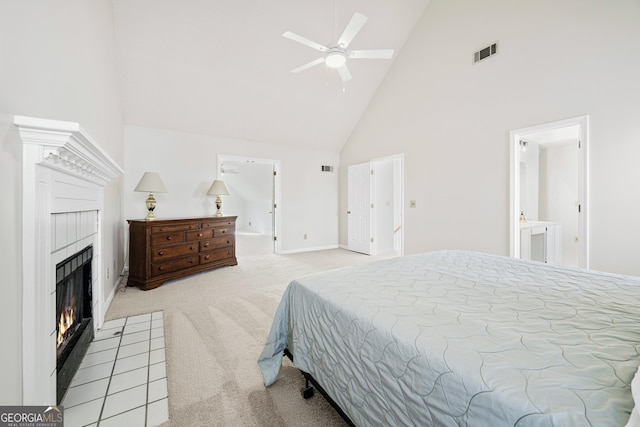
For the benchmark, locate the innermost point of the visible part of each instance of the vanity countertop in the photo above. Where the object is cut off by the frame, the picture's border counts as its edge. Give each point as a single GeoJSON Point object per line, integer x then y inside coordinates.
{"type": "Point", "coordinates": [531, 224]}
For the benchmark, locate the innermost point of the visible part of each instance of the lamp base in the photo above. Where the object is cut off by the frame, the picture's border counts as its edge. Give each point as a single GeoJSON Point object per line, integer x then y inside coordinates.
{"type": "Point", "coordinates": [151, 205]}
{"type": "Point", "coordinates": [218, 206]}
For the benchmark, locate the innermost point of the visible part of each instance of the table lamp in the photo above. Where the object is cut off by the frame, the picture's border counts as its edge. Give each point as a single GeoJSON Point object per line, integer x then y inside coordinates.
{"type": "Point", "coordinates": [218, 189]}
{"type": "Point", "coordinates": [152, 183]}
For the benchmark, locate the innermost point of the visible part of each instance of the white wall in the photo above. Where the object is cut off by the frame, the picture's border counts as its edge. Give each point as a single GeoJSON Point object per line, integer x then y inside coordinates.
{"type": "Point", "coordinates": [57, 61]}
{"type": "Point", "coordinates": [187, 164]}
{"type": "Point", "coordinates": [452, 119]}
{"type": "Point", "coordinates": [250, 198]}
{"type": "Point", "coordinates": [257, 219]}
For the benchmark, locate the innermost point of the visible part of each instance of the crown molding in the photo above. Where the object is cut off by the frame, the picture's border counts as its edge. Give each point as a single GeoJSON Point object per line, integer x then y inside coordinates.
{"type": "Point", "coordinates": [67, 147]}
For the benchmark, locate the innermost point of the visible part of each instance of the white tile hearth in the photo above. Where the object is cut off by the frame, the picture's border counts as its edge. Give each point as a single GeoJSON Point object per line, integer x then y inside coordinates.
{"type": "Point", "coordinates": [122, 380]}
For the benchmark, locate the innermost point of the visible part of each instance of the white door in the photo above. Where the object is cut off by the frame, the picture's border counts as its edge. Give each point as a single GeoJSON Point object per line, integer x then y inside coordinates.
{"type": "Point", "coordinates": [359, 208]}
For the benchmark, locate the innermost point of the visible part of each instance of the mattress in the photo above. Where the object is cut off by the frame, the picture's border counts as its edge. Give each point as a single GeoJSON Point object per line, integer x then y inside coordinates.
{"type": "Point", "coordinates": [457, 338]}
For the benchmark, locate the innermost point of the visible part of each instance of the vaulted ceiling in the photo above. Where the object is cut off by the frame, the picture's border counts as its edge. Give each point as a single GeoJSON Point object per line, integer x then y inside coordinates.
{"type": "Point", "coordinates": [223, 68]}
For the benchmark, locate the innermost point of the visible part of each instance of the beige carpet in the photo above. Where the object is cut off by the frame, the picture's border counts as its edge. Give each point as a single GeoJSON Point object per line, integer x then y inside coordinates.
{"type": "Point", "coordinates": [215, 326]}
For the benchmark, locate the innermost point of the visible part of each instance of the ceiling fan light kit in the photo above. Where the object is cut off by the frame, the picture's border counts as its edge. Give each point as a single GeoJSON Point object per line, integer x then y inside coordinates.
{"type": "Point", "coordinates": [336, 58]}
{"type": "Point", "coordinates": [336, 54]}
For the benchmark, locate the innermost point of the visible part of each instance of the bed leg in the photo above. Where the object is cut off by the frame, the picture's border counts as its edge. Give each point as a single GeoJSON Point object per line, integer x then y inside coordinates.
{"type": "Point", "coordinates": [307, 391]}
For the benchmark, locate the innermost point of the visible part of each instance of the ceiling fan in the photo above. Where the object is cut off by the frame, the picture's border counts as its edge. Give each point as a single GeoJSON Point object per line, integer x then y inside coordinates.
{"type": "Point", "coordinates": [336, 54]}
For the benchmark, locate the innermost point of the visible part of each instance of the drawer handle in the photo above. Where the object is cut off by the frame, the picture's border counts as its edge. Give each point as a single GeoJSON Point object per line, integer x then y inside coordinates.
{"type": "Point", "coordinates": [228, 242]}
{"type": "Point", "coordinates": [168, 237]}
{"type": "Point", "coordinates": [199, 234]}
{"type": "Point", "coordinates": [190, 261]}
{"type": "Point", "coordinates": [207, 257]}
{"type": "Point", "coordinates": [161, 253]}
{"type": "Point", "coordinates": [190, 248]}
{"type": "Point", "coordinates": [206, 245]}
{"type": "Point", "coordinates": [161, 268]}
{"type": "Point", "coordinates": [224, 231]}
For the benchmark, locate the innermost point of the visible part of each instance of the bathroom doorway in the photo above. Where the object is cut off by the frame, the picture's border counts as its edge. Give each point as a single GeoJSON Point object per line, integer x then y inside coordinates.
{"type": "Point", "coordinates": [254, 197]}
{"type": "Point", "coordinates": [549, 189]}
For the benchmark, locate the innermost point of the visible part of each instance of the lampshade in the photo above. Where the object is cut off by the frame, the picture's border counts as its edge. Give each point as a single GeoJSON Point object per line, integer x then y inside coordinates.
{"type": "Point", "coordinates": [152, 183]}
{"type": "Point", "coordinates": [218, 188]}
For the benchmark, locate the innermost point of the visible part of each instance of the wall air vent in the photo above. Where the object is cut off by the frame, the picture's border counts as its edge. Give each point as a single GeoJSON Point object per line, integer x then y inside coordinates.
{"type": "Point", "coordinates": [327, 168]}
{"type": "Point", "coordinates": [485, 53]}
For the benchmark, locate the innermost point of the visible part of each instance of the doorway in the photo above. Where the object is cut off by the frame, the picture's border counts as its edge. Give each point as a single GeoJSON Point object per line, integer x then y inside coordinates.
{"type": "Point", "coordinates": [375, 194]}
{"type": "Point", "coordinates": [549, 187]}
{"type": "Point", "coordinates": [254, 197]}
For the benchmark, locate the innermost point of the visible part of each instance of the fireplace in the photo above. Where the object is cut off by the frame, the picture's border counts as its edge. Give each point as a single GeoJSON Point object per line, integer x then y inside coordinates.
{"type": "Point", "coordinates": [64, 176]}
{"type": "Point", "coordinates": [74, 325]}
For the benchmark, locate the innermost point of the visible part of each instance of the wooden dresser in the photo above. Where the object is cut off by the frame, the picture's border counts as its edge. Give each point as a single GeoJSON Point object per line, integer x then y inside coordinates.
{"type": "Point", "coordinates": [167, 249]}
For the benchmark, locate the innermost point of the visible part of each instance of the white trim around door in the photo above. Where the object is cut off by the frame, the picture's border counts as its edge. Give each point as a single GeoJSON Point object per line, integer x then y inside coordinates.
{"type": "Point", "coordinates": [517, 138]}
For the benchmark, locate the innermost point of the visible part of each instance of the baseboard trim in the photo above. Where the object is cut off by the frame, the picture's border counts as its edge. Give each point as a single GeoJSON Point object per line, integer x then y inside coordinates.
{"type": "Point", "coordinates": [108, 301]}
{"type": "Point", "coordinates": [314, 249]}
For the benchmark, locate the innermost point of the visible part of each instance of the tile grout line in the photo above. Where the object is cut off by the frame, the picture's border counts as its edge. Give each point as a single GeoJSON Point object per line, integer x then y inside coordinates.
{"type": "Point", "coordinates": [164, 350]}
{"type": "Point", "coordinates": [118, 352]}
{"type": "Point", "coordinates": [113, 368]}
{"type": "Point", "coordinates": [146, 403]}
{"type": "Point", "coordinates": [120, 340]}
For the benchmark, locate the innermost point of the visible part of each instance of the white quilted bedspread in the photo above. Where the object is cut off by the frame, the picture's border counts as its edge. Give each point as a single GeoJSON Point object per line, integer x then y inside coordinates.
{"type": "Point", "coordinates": [455, 338]}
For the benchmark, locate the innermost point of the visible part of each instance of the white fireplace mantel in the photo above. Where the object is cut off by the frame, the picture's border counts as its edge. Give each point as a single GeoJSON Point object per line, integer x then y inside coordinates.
{"type": "Point", "coordinates": [64, 171]}
{"type": "Point", "coordinates": [67, 147]}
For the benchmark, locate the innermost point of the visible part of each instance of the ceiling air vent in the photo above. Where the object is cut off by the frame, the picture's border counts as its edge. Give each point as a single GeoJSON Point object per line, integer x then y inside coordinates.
{"type": "Point", "coordinates": [485, 52]}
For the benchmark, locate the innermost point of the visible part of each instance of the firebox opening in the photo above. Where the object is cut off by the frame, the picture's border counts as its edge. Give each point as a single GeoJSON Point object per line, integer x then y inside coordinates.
{"type": "Point", "coordinates": [74, 325]}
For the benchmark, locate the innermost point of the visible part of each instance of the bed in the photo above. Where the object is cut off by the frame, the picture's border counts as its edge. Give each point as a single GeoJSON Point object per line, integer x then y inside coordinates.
{"type": "Point", "coordinates": [459, 338]}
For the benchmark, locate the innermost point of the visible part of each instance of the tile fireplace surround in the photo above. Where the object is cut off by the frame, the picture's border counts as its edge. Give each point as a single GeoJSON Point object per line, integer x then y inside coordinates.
{"type": "Point", "coordinates": [64, 175]}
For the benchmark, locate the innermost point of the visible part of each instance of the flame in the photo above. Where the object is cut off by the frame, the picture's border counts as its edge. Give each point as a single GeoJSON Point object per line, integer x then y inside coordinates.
{"type": "Point", "coordinates": [66, 321]}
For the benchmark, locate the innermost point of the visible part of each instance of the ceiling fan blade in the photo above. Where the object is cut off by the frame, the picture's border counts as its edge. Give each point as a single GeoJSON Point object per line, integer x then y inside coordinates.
{"type": "Point", "coordinates": [304, 41]}
{"type": "Point", "coordinates": [344, 73]}
{"type": "Point", "coordinates": [308, 65]}
{"type": "Point", "coordinates": [353, 27]}
{"type": "Point", "coordinates": [371, 54]}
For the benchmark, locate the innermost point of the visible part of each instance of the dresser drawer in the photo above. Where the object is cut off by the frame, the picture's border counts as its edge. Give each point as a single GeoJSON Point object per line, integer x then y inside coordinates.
{"type": "Point", "coordinates": [174, 228]}
{"type": "Point", "coordinates": [217, 243]}
{"type": "Point", "coordinates": [226, 223]}
{"type": "Point", "coordinates": [174, 265]}
{"type": "Point", "coordinates": [166, 238]}
{"type": "Point", "coordinates": [167, 252]}
{"type": "Point", "coordinates": [199, 234]}
{"type": "Point", "coordinates": [208, 257]}
{"type": "Point", "coordinates": [223, 231]}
